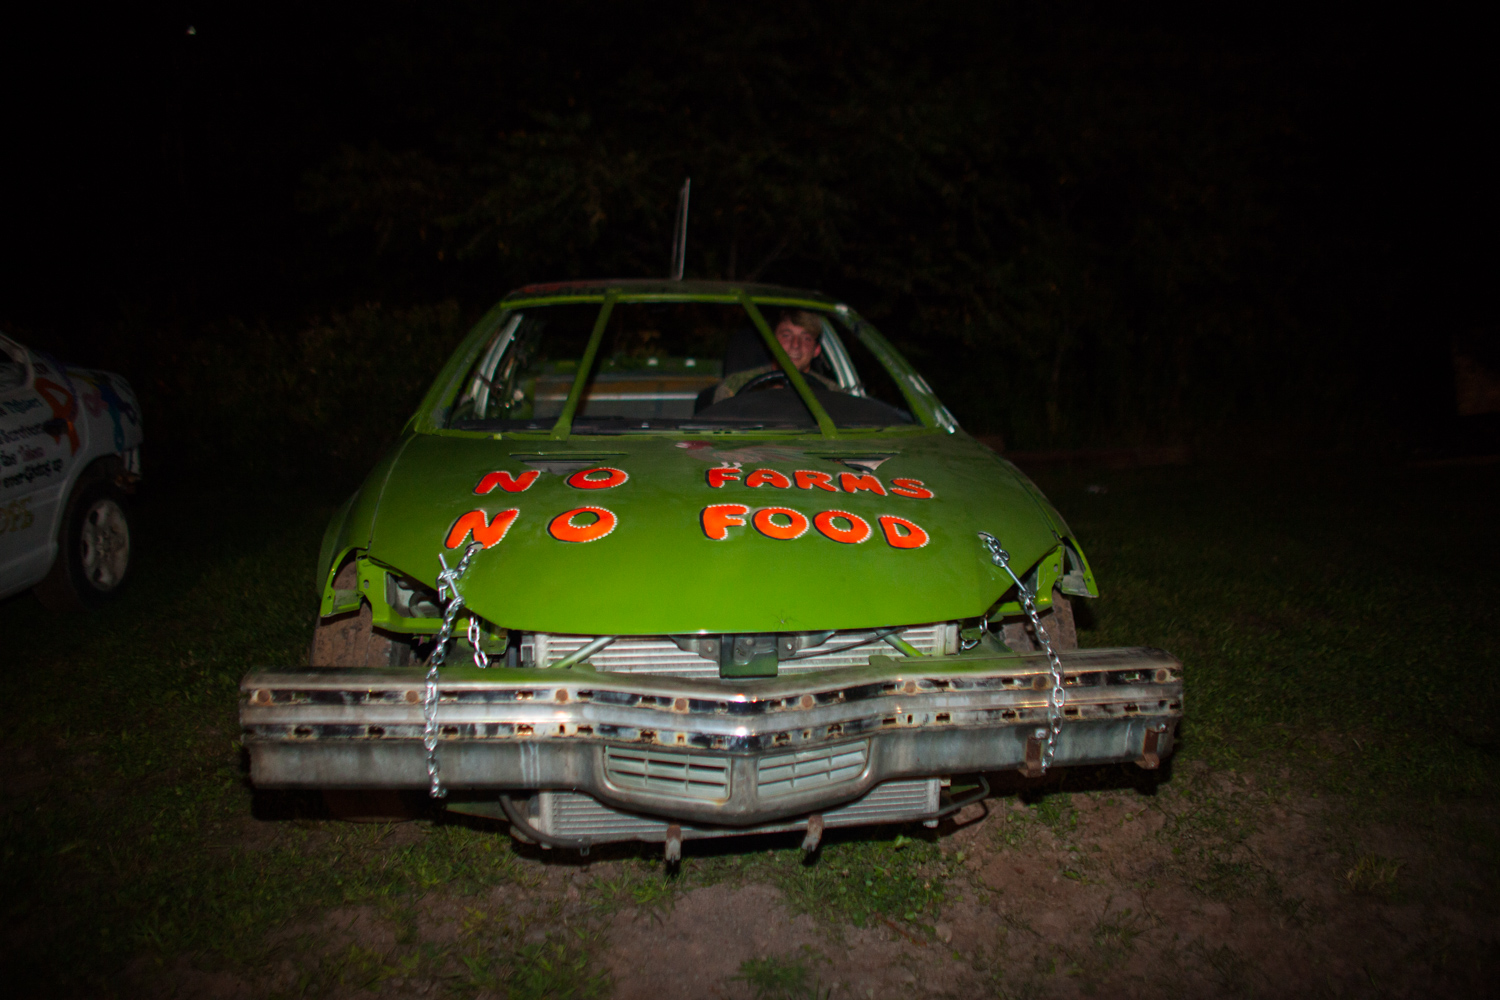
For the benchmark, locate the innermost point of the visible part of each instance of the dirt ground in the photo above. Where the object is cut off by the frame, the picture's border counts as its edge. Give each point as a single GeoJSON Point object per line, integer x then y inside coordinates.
{"type": "Point", "coordinates": [1208, 886]}
{"type": "Point", "coordinates": [1355, 853]}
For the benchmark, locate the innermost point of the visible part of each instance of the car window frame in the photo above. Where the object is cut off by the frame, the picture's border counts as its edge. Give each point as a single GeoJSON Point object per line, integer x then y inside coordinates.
{"type": "Point", "coordinates": [839, 360]}
{"type": "Point", "coordinates": [484, 371]}
{"type": "Point", "coordinates": [931, 415]}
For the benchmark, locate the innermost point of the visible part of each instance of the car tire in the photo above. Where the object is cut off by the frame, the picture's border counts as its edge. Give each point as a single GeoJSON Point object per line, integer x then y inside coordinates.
{"type": "Point", "coordinates": [1057, 621]}
{"type": "Point", "coordinates": [352, 640]}
{"type": "Point", "coordinates": [94, 549]}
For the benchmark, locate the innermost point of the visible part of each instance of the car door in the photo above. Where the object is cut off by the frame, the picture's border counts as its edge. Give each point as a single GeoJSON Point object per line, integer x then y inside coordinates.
{"type": "Point", "coordinates": [40, 434]}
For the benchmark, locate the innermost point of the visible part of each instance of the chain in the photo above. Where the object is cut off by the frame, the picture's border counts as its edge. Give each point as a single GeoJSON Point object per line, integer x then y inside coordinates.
{"type": "Point", "coordinates": [481, 659]}
{"type": "Point", "coordinates": [1055, 701]}
{"type": "Point", "coordinates": [447, 589]}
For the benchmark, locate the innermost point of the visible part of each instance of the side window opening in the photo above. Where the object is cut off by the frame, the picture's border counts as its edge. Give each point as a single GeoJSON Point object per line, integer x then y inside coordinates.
{"type": "Point", "coordinates": [875, 382]}
{"type": "Point", "coordinates": [836, 360]}
{"type": "Point", "coordinates": [527, 370]}
{"type": "Point", "coordinates": [475, 399]}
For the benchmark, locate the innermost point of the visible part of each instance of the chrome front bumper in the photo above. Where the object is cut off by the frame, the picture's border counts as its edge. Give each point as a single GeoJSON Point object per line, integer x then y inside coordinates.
{"type": "Point", "coordinates": [726, 752]}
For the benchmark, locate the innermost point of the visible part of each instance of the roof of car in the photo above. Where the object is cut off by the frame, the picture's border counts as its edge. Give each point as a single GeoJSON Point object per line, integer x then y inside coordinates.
{"type": "Point", "coordinates": [667, 288]}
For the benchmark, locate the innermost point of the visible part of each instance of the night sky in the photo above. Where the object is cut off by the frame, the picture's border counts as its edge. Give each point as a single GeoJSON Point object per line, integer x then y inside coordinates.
{"type": "Point", "coordinates": [169, 167]}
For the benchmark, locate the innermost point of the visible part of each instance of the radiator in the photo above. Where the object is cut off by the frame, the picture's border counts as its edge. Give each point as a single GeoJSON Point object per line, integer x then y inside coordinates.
{"type": "Point", "coordinates": [660, 655]}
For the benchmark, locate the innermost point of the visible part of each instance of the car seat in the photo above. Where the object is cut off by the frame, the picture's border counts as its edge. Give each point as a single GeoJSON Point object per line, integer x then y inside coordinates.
{"type": "Point", "coordinates": [744, 351]}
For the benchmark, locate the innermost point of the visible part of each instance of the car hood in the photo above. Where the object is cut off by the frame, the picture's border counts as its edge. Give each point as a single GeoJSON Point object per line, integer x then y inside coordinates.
{"type": "Point", "coordinates": [659, 571]}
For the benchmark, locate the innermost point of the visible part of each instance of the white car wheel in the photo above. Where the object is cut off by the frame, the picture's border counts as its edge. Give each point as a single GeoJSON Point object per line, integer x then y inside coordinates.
{"type": "Point", "coordinates": [104, 544]}
{"type": "Point", "coordinates": [93, 547]}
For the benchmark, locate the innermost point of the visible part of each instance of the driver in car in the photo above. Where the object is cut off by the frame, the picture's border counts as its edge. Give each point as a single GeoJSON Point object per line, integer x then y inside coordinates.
{"type": "Point", "coordinates": [800, 333]}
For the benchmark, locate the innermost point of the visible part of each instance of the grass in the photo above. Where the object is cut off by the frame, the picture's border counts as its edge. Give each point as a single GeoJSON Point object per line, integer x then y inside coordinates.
{"type": "Point", "coordinates": [1373, 874]}
{"type": "Point", "coordinates": [1337, 625]}
{"type": "Point", "coordinates": [1115, 932]}
{"type": "Point", "coordinates": [860, 878]}
{"type": "Point", "coordinates": [1335, 617]}
{"type": "Point", "coordinates": [778, 977]}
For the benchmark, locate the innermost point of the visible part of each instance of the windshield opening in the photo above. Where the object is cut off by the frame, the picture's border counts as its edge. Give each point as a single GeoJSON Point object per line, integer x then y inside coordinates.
{"type": "Point", "coordinates": [665, 366]}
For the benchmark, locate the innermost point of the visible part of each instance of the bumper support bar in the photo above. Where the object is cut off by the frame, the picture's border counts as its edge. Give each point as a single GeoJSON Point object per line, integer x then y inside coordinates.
{"type": "Point", "coordinates": [729, 752]}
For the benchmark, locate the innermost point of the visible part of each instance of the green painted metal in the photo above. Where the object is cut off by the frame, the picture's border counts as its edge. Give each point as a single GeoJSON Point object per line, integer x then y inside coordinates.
{"type": "Point", "coordinates": [431, 413]}
{"type": "Point", "coordinates": [658, 571]}
{"type": "Point", "coordinates": [904, 647]}
{"type": "Point", "coordinates": [1091, 586]}
{"type": "Point", "coordinates": [334, 542]}
{"type": "Point", "coordinates": [353, 523]}
{"type": "Point", "coordinates": [564, 424]}
{"type": "Point", "coordinates": [1047, 573]}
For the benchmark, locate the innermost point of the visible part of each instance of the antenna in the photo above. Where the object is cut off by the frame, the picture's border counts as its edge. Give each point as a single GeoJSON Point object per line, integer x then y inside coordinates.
{"type": "Point", "coordinates": [679, 230]}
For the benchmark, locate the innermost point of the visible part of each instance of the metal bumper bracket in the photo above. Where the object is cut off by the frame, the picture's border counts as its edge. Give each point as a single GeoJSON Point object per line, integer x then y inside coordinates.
{"type": "Point", "coordinates": [1036, 743]}
{"type": "Point", "coordinates": [1150, 760]}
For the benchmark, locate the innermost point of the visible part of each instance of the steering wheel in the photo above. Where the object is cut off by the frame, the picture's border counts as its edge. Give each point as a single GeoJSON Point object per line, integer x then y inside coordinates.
{"type": "Point", "coordinates": [764, 381]}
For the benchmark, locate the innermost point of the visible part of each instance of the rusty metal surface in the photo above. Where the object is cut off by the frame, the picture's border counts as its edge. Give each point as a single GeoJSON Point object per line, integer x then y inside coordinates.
{"type": "Point", "coordinates": [538, 729]}
{"type": "Point", "coordinates": [1150, 758]}
{"type": "Point", "coordinates": [814, 834]}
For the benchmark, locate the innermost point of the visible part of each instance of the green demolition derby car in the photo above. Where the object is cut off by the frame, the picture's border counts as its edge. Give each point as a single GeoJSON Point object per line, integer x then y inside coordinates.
{"type": "Point", "coordinates": [663, 560]}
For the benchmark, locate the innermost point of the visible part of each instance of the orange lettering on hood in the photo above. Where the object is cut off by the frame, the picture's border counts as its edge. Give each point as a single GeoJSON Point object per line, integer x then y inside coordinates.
{"type": "Point", "coordinates": [911, 488]}
{"type": "Point", "coordinates": [507, 482]}
{"type": "Point", "coordinates": [768, 477]}
{"type": "Point", "coordinates": [913, 538]}
{"type": "Point", "coordinates": [718, 518]}
{"type": "Point", "coordinates": [807, 480]}
{"type": "Point", "coordinates": [785, 532]}
{"type": "Point", "coordinates": [583, 481]}
{"type": "Point", "coordinates": [486, 533]}
{"type": "Point", "coordinates": [563, 529]}
{"type": "Point", "coordinates": [853, 483]}
{"type": "Point", "coordinates": [858, 530]}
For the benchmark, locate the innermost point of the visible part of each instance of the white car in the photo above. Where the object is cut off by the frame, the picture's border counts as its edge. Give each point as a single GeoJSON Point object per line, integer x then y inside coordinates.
{"type": "Point", "coordinates": [70, 454]}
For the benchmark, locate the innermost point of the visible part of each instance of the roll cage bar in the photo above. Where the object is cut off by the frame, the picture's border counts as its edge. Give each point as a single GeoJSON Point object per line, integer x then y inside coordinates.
{"type": "Point", "coordinates": [924, 404]}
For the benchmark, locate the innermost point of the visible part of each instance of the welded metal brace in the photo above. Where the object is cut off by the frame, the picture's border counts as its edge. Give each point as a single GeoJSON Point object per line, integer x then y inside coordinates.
{"type": "Point", "coordinates": [1055, 701]}
{"type": "Point", "coordinates": [447, 585]}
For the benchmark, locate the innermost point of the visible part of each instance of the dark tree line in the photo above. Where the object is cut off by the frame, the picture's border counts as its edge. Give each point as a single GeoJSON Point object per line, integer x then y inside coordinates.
{"type": "Point", "coordinates": [1085, 224]}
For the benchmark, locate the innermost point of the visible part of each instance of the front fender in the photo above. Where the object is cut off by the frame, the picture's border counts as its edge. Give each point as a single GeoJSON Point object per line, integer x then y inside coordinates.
{"type": "Point", "coordinates": [353, 523]}
{"type": "Point", "coordinates": [1079, 578]}
{"type": "Point", "coordinates": [335, 542]}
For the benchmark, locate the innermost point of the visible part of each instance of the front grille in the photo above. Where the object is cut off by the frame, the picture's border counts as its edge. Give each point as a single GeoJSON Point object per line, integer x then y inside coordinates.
{"type": "Point", "coordinates": [660, 655]}
{"type": "Point", "coordinates": [578, 816]}
{"type": "Point", "coordinates": [677, 775]}
{"type": "Point", "coordinates": [808, 770]}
